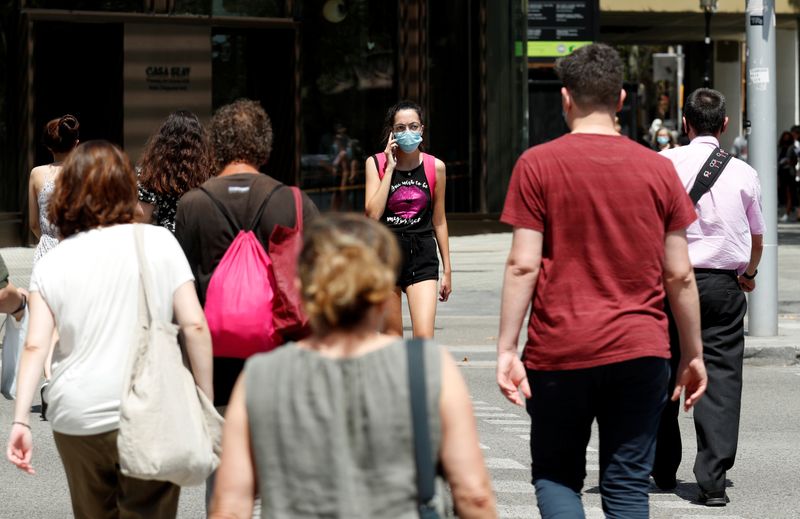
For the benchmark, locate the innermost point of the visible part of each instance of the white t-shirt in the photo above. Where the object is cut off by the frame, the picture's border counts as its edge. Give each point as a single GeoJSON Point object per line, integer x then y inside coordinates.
{"type": "Point", "coordinates": [91, 283]}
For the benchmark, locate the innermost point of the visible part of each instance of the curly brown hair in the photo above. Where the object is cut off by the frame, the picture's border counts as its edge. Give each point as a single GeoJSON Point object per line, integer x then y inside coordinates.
{"type": "Point", "coordinates": [348, 264]}
{"type": "Point", "coordinates": [95, 188]}
{"type": "Point", "coordinates": [241, 132]}
{"type": "Point", "coordinates": [177, 158]}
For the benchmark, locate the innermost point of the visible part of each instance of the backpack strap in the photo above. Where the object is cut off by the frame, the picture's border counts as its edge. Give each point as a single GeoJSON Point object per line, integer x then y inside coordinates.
{"type": "Point", "coordinates": [428, 164]}
{"type": "Point", "coordinates": [257, 218]}
{"type": "Point", "coordinates": [298, 209]}
{"type": "Point", "coordinates": [380, 162]}
{"type": "Point", "coordinates": [709, 173]}
{"type": "Point", "coordinates": [415, 354]}
{"type": "Point", "coordinates": [222, 209]}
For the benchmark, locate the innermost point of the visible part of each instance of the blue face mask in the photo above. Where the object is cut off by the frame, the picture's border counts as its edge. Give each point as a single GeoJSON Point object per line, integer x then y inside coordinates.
{"type": "Point", "coordinates": [662, 139]}
{"type": "Point", "coordinates": [408, 140]}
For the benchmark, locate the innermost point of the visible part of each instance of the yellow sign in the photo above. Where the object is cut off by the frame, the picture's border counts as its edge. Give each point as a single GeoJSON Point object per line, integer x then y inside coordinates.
{"type": "Point", "coordinates": [553, 49]}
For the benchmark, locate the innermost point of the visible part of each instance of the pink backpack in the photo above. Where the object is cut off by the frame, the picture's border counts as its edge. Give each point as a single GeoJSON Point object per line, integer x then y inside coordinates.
{"type": "Point", "coordinates": [240, 295]}
{"type": "Point", "coordinates": [428, 163]}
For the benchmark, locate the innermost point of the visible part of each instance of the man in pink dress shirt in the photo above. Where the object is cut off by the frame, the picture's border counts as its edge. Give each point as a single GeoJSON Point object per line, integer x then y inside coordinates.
{"type": "Point", "coordinates": [725, 244]}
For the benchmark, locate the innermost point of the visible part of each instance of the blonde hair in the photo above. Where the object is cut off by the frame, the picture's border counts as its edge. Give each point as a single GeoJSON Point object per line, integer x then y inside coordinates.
{"type": "Point", "coordinates": [348, 264]}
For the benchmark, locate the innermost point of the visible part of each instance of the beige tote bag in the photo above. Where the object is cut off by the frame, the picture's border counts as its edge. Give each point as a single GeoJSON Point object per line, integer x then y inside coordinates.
{"type": "Point", "coordinates": [169, 430]}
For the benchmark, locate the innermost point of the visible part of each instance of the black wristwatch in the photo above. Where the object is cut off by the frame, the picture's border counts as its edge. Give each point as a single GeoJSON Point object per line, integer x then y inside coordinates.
{"type": "Point", "coordinates": [748, 276]}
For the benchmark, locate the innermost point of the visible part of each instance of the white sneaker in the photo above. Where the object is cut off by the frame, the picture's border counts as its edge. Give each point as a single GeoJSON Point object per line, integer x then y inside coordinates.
{"type": "Point", "coordinates": [784, 218]}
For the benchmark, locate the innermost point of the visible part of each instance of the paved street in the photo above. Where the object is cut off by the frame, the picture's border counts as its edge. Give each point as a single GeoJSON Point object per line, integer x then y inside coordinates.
{"type": "Point", "coordinates": [762, 485]}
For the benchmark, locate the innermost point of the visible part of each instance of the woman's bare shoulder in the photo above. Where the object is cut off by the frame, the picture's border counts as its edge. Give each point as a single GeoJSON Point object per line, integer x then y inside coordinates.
{"type": "Point", "coordinates": [41, 173]}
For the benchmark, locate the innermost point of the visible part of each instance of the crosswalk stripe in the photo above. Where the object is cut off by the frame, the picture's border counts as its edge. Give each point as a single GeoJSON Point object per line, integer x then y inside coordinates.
{"type": "Point", "coordinates": [497, 415]}
{"type": "Point", "coordinates": [518, 512]}
{"type": "Point", "coordinates": [479, 348]}
{"type": "Point", "coordinates": [504, 463]}
{"type": "Point", "coordinates": [594, 512]}
{"type": "Point", "coordinates": [708, 516]}
{"type": "Point", "coordinates": [676, 505]}
{"type": "Point", "coordinates": [513, 486]}
{"type": "Point", "coordinates": [517, 430]}
{"type": "Point", "coordinates": [476, 363]}
{"type": "Point", "coordinates": [486, 408]}
{"type": "Point", "coordinates": [507, 422]}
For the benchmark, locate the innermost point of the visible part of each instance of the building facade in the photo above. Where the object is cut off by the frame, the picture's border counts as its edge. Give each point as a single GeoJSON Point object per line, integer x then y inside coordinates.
{"type": "Point", "coordinates": [326, 71]}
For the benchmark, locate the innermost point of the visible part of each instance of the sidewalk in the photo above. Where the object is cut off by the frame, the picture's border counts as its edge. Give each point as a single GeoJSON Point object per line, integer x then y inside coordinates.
{"type": "Point", "coordinates": [470, 318]}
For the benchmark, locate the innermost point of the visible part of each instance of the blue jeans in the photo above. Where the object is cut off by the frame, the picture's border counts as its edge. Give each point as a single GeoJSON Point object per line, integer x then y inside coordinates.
{"type": "Point", "coordinates": [626, 398]}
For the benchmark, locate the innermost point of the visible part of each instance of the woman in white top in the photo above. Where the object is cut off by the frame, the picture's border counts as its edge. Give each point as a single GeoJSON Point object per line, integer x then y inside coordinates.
{"type": "Point", "coordinates": [60, 137]}
{"type": "Point", "coordinates": [88, 287]}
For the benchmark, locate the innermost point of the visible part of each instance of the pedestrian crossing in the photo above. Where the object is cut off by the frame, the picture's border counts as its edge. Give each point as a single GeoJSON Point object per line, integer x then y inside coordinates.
{"type": "Point", "coordinates": [501, 425]}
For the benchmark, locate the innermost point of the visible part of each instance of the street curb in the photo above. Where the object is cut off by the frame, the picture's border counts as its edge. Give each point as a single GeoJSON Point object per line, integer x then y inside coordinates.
{"type": "Point", "coordinates": [772, 354]}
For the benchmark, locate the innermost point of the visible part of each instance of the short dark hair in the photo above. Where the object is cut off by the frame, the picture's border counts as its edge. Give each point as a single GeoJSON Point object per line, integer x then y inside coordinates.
{"type": "Point", "coordinates": [95, 188]}
{"type": "Point", "coordinates": [705, 111]}
{"type": "Point", "coordinates": [592, 75]}
{"type": "Point", "coordinates": [241, 132]}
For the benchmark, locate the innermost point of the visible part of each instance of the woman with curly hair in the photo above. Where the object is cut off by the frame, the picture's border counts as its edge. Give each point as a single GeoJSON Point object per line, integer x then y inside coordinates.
{"type": "Point", "coordinates": [176, 159]}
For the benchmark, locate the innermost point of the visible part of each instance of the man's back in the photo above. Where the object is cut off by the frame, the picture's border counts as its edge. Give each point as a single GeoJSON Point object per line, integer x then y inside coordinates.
{"type": "Point", "coordinates": [205, 235]}
{"type": "Point", "coordinates": [204, 232]}
{"type": "Point", "coordinates": [604, 204]}
{"type": "Point", "coordinates": [727, 214]}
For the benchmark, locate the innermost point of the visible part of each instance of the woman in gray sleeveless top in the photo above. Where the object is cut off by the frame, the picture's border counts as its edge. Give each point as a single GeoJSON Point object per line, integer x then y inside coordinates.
{"type": "Point", "coordinates": [322, 427]}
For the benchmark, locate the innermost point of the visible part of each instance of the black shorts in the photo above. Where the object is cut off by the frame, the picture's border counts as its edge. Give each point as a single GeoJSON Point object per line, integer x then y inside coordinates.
{"type": "Point", "coordinates": [420, 259]}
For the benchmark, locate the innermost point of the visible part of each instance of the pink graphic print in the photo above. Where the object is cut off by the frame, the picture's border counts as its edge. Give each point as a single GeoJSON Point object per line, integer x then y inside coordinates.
{"type": "Point", "coordinates": [407, 201]}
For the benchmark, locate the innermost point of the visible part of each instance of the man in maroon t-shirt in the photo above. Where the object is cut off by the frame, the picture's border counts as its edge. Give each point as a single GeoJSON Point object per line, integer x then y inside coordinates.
{"type": "Point", "coordinates": [599, 237]}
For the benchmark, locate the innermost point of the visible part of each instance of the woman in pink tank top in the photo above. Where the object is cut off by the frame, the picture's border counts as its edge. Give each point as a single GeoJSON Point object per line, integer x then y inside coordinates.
{"type": "Point", "coordinates": [405, 191]}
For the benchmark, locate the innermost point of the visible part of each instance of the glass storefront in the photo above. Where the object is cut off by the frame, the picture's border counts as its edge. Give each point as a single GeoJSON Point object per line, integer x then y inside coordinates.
{"type": "Point", "coordinates": [348, 82]}
{"type": "Point", "coordinates": [326, 71]}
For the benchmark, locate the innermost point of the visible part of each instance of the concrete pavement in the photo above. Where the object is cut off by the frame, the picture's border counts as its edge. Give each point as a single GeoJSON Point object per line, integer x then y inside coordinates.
{"type": "Point", "coordinates": [477, 277]}
{"type": "Point", "coordinates": [468, 325]}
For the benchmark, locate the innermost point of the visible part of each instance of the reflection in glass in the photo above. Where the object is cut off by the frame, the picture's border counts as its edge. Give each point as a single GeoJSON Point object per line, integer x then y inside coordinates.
{"type": "Point", "coordinates": [348, 53]}
{"type": "Point", "coordinates": [258, 8]}
{"type": "Point", "coordinates": [88, 5]}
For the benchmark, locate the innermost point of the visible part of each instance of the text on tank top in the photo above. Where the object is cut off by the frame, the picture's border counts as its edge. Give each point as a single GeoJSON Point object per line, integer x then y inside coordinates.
{"type": "Point", "coordinates": [409, 206]}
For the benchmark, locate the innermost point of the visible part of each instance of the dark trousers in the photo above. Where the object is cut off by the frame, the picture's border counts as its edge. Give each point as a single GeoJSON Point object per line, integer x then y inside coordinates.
{"type": "Point", "coordinates": [100, 491]}
{"type": "Point", "coordinates": [626, 398]}
{"type": "Point", "coordinates": [716, 414]}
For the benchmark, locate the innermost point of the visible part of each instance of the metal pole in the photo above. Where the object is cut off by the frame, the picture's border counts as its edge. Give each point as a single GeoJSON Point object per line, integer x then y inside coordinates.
{"type": "Point", "coordinates": [679, 80]}
{"type": "Point", "coordinates": [709, 49]}
{"type": "Point", "coordinates": [761, 109]}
